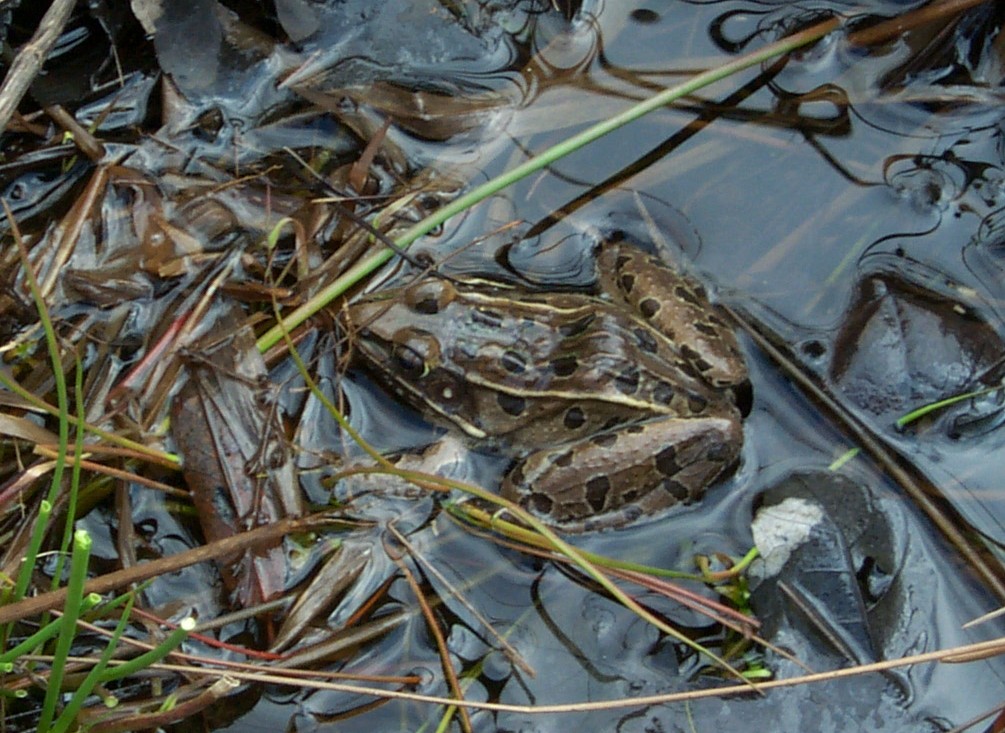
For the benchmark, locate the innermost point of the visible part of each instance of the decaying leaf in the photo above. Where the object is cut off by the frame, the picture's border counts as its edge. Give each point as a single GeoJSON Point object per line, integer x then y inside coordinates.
{"type": "Point", "coordinates": [234, 455]}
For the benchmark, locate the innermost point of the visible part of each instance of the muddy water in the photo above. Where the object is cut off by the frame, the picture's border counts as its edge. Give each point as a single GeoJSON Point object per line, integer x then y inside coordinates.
{"type": "Point", "coordinates": [846, 204]}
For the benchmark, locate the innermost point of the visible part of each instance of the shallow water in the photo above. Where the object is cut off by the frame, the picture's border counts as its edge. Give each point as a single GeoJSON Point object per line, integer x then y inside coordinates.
{"type": "Point", "coordinates": [846, 203]}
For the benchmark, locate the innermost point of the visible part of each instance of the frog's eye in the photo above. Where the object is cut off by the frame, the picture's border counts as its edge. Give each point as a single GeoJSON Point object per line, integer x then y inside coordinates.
{"type": "Point", "coordinates": [414, 352]}
{"type": "Point", "coordinates": [429, 297]}
{"type": "Point", "coordinates": [409, 361]}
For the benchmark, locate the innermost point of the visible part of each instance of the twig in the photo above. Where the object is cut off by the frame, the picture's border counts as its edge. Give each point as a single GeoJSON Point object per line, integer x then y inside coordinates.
{"type": "Point", "coordinates": [973, 651]}
{"type": "Point", "coordinates": [441, 643]}
{"type": "Point", "coordinates": [164, 565]}
{"type": "Point", "coordinates": [507, 649]}
{"type": "Point", "coordinates": [29, 60]}
{"type": "Point", "coordinates": [88, 144]}
{"type": "Point", "coordinates": [900, 24]}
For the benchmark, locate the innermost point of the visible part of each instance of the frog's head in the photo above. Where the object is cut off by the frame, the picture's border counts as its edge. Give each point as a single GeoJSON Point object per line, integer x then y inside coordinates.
{"type": "Point", "coordinates": [394, 329]}
{"type": "Point", "coordinates": [398, 333]}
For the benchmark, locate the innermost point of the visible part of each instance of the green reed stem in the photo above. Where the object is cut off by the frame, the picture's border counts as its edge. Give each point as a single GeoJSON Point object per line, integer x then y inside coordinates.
{"type": "Point", "coordinates": [78, 450]}
{"type": "Point", "coordinates": [62, 402]}
{"type": "Point", "coordinates": [71, 612]}
{"type": "Point", "coordinates": [935, 406]}
{"type": "Point", "coordinates": [170, 643]}
{"type": "Point", "coordinates": [34, 544]}
{"type": "Point", "coordinates": [47, 632]}
{"type": "Point", "coordinates": [93, 678]}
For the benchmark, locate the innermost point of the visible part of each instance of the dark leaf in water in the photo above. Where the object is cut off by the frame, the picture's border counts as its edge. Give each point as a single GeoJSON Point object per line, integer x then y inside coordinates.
{"type": "Point", "coordinates": [835, 555]}
{"type": "Point", "coordinates": [903, 346]}
{"type": "Point", "coordinates": [187, 36]}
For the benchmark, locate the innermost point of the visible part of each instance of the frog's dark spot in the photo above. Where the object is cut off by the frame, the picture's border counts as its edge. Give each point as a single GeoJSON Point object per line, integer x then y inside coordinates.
{"type": "Point", "coordinates": [715, 320]}
{"type": "Point", "coordinates": [627, 283]}
{"type": "Point", "coordinates": [663, 393]}
{"type": "Point", "coordinates": [697, 404]}
{"type": "Point", "coordinates": [628, 381]}
{"type": "Point", "coordinates": [428, 297]}
{"type": "Point", "coordinates": [597, 489]}
{"type": "Point", "coordinates": [647, 342]}
{"type": "Point", "coordinates": [511, 404]}
{"type": "Point", "coordinates": [574, 418]}
{"type": "Point", "coordinates": [564, 460]}
{"type": "Point", "coordinates": [692, 356]}
{"type": "Point", "coordinates": [666, 461]}
{"type": "Point", "coordinates": [516, 477]}
{"type": "Point", "coordinates": [564, 366]}
{"type": "Point", "coordinates": [695, 358]}
{"type": "Point", "coordinates": [677, 490]}
{"type": "Point", "coordinates": [687, 295]}
{"type": "Point", "coordinates": [486, 317]}
{"type": "Point", "coordinates": [634, 429]}
{"type": "Point", "coordinates": [604, 440]}
{"type": "Point", "coordinates": [540, 503]}
{"type": "Point", "coordinates": [627, 497]}
{"type": "Point", "coordinates": [612, 422]}
{"type": "Point", "coordinates": [705, 328]}
{"type": "Point", "coordinates": [577, 327]}
{"type": "Point", "coordinates": [649, 307]}
{"type": "Point", "coordinates": [687, 368]}
{"type": "Point", "coordinates": [514, 362]}
{"type": "Point", "coordinates": [621, 261]}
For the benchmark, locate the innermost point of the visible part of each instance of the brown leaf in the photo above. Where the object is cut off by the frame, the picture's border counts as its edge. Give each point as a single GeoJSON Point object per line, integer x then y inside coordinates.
{"type": "Point", "coordinates": [234, 457]}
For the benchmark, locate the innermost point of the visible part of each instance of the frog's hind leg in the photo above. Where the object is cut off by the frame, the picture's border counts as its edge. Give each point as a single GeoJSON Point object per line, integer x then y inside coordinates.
{"type": "Point", "coordinates": [619, 475]}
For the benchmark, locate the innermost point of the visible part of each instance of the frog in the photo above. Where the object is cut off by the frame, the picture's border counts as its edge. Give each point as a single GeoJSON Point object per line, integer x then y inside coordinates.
{"type": "Point", "coordinates": [614, 403]}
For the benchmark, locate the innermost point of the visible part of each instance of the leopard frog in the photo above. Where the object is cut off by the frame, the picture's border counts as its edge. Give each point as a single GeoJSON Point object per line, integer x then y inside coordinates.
{"type": "Point", "coordinates": [615, 405]}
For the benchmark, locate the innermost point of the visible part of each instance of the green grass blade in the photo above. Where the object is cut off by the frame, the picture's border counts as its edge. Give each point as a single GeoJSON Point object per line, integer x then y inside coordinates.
{"type": "Point", "coordinates": [170, 643]}
{"type": "Point", "coordinates": [936, 406]}
{"type": "Point", "coordinates": [78, 451]}
{"type": "Point", "coordinates": [71, 612]}
{"type": "Point", "coordinates": [52, 345]}
{"type": "Point", "coordinates": [46, 632]}
{"type": "Point", "coordinates": [69, 714]}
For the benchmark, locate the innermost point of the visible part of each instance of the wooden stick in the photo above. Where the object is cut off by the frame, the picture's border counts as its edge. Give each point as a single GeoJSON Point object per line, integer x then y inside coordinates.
{"type": "Point", "coordinates": [30, 58]}
{"type": "Point", "coordinates": [172, 563]}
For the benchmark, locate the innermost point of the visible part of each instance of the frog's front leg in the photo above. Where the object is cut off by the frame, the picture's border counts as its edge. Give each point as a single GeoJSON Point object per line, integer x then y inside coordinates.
{"type": "Point", "coordinates": [619, 475]}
